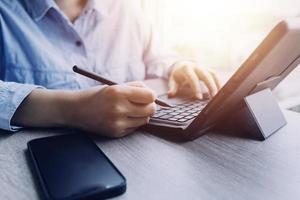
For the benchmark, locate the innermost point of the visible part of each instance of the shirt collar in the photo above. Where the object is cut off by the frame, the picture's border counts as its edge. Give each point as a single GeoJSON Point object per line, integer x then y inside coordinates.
{"type": "Point", "coordinates": [38, 8]}
{"type": "Point", "coordinates": [101, 6]}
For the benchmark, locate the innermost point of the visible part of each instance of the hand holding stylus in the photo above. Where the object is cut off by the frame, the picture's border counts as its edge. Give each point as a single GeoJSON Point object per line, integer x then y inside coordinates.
{"type": "Point", "coordinates": [117, 110]}
{"type": "Point", "coordinates": [114, 110]}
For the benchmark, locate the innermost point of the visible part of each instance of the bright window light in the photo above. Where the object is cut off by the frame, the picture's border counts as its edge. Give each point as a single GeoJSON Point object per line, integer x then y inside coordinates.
{"type": "Point", "coordinates": [218, 33]}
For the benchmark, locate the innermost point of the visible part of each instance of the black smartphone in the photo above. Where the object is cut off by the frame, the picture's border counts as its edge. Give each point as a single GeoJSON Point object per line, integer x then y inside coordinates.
{"type": "Point", "coordinates": [73, 167]}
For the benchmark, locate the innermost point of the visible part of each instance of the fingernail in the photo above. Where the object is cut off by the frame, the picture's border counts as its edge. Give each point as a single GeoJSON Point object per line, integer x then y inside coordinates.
{"type": "Point", "coordinates": [199, 96]}
{"type": "Point", "coordinates": [170, 93]}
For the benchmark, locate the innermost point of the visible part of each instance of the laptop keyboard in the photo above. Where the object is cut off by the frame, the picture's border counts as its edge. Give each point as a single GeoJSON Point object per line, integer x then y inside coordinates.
{"type": "Point", "coordinates": [180, 113]}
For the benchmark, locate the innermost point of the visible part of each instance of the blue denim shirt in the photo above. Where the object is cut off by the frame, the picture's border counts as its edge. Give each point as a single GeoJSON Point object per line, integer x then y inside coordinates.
{"type": "Point", "coordinates": [39, 46]}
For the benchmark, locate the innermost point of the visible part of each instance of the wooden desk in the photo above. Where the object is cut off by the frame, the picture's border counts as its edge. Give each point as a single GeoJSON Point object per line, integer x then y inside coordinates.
{"type": "Point", "coordinates": [215, 166]}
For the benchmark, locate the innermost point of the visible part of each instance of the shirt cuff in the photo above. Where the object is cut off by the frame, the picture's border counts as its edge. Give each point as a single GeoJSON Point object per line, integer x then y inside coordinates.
{"type": "Point", "coordinates": [11, 97]}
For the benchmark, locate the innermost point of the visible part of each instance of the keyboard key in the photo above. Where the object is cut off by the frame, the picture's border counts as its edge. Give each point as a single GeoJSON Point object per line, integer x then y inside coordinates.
{"type": "Point", "coordinates": [191, 111]}
{"type": "Point", "coordinates": [158, 114]}
{"type": "Point", "coordinates": [177, 116]}
{"type": "Point", "coordinates": [189, 117]}
{"type": "Point", "coordinates": [196, 106]}
{"type": "Point", "coordinates": [185, 114]}
{"type": "Point", "coordinates": [182, 120]}
{"type": "Point", "coordinates": [184, 109]}
{"type": "Point", "coordinates": [166, 111]}
{"type": "Point", "coordinates": [173, 119]}
{"type": "Point", "coordinates": [175, 113]}
{"type": "Point", "coordinates": [181, 111]}
{"type": "Point", "coordinates": [180, 106]}
{"type": "Point", "coordinates": [166, 117]}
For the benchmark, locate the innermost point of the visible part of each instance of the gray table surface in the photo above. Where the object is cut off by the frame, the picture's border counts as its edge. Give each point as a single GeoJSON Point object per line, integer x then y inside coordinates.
{"type": "Point", "coordinates": [215, 166]}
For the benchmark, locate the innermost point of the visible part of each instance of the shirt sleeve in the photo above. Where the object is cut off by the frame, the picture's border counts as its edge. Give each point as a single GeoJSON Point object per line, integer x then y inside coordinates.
{"type": "Point", "coordinates": [11, 97]}
{"type": "Point", "coordinates": [158, 59]}
{"type": "Point", "coordinates": [11, 94]}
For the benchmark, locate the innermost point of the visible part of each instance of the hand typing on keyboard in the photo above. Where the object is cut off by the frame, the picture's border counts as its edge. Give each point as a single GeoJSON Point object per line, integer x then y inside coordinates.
{"type": "Point", "coordinates": [188, 73]}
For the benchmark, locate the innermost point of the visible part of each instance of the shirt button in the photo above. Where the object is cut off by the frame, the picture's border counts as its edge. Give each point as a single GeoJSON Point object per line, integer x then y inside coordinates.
{"type": "Point", "coordinates": [78, 43]}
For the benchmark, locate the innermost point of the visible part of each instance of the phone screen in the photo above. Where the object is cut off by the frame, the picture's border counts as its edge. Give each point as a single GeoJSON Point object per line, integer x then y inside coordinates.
{"type": "Point", "coordinates": [73, 167]}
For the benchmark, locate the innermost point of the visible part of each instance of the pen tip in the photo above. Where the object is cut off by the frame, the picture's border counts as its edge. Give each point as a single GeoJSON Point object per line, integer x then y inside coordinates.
{"type": "Point", "coordinates": [164, 104]}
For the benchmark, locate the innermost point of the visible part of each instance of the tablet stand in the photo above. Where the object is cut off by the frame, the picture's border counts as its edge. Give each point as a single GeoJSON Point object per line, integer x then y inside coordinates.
{"type": "Point", "coordinates": [261, 115]}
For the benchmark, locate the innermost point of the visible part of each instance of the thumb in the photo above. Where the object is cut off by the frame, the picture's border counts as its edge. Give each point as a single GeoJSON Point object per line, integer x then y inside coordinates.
{"type": "Point", "coordinates": [173, 87]}
{"type": "Point", "coordinates": [136, 84]}
{"type": "Point", "coordinates": [140, 84]}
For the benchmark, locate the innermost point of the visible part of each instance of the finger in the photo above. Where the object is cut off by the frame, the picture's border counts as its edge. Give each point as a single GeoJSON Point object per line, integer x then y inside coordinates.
{"type": "Point", "coordinates": [133, 122]}
{"type": "Point", "coordinates": [140, 95]}
{"type": "Point", "coordinates": [130, 130]}
{"type": "Point", "coordinates": [193, 81]}
{"type": "Point", "coordinates": [135, 110]}
{"type": "Point", "coordinates": [125, 125]}
{"type": "Point", "coordinates": [136, 84]}
{"type": "Point", "coordinates": [207, 78]}
{"type": "Point", "coordinates": [216, 79]}
{"type": "Point", "coordinates": [127, 132]}
{"type": "Point", "coordinates": [173, 87]}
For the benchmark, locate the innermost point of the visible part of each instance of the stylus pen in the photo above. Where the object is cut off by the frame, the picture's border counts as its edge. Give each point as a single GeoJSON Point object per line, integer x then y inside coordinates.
{"type": "Point", "coordinates": [99, 78]}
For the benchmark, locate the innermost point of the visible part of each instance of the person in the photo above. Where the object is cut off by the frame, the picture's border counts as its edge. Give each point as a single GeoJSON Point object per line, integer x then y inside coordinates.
{"type": "Point", "coordinates": [40, 41]}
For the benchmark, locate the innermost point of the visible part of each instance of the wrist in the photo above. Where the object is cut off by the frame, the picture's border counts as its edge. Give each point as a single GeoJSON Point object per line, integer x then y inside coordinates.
{"type": "Point", "coordinates": [67, 108]}
{"type": "Point", "coordinates": [74, 108]}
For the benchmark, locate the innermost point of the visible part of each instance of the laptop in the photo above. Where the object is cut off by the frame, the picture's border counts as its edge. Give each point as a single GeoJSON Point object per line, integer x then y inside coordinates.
{"type": "Point", "coordinates": [266, 67]}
